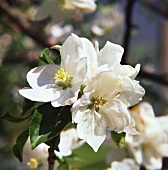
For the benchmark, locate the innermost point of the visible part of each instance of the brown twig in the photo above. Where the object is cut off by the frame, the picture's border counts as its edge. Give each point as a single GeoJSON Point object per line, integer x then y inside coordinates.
{"type": "Point", "coordinates": [161, 79]}
{"type": "Point", "coordinates": [51, 156]}
{"type": "Point", "coordinates": [160, 10]}
{"type": "Point", "coordinates": [128, 28]}
{"type": "Point", "coordinates": [22, 23]}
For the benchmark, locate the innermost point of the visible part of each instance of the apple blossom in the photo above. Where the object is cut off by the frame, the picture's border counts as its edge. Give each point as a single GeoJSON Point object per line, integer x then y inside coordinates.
{"type": "Point", "coordinates": [125, 164]}
{"type": "Point", "coordinates": [68, 142]}
{"type": "Point", "coordinates": [151, 145]}
{"type": "Point", "coordinates": [61, 9]}
{"type": "Point", "coordinates": [102, 107]}
{"type": "Point", "coordinates": [60, 84]}
{"type": "Point", "coordinates": [108, 19]}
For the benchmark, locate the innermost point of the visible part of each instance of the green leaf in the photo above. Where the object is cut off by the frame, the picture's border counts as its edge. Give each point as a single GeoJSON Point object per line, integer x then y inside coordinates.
{"type": "Point", "coordinates": [20, 142]}
{"type": "Point", "coordinates": [47, 123]}
{"type": "Point", "coordinates": [118, 138]}
{"type": "Point", "coordinates": [58, 60]}
{"type": "Point", "coordinates": [90, 159]}
{"type": "Point", "coordinates": [44, 58]}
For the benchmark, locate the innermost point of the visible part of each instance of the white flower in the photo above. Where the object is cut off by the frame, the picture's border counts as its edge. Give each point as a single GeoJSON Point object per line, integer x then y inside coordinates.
{"type": "Point", "coordinates": [108, 20]}
{"type": "Point", "coordinates": [125, 164]}
{"type": "Point", "coordinates": [60, 84]}
{"type": "Point", "coordinates": [38, 157]}
{"type": "Point", "coordinates": [61, 9]}
{"type": "Point", "coordinates": [68, 141]}
{"type": "Point", "coordinates": [110, 57]}
{"type": "Point", "coordinates": [86, 6]}
{"type": "Point", "coordinates": [58, 31]}
{"type": "Point", "coordinates": [151, 145]}
{"type": "Point", "coordinates": [100, 108]}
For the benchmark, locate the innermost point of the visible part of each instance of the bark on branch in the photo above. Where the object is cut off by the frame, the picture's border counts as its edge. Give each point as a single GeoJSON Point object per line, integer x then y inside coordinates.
{"type": "Point", "coordinates": [128, 29]}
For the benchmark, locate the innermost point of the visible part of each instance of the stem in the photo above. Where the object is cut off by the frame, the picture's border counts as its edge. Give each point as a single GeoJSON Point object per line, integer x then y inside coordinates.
{"type": "Point", "coordinates": [51, 159]}
{"type": "Point", "coordinates": [51, 156]}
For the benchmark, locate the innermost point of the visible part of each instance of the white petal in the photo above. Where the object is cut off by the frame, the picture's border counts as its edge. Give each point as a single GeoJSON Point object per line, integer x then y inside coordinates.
{"type": "Point", "coordinates": [116, 116]}
{"type": "Point", "coordinates": [70, 51]}
{"type": "Point", "coordinates": [86, 6]}
{"type": "Point", "coordinates": [150, 159]}
{"type": "Point", "coordinates": [67, 97]}
{"type": "Point", "coordinates": [78, 54]}
{"type": "Point", "coordinates": [127, 70]}
{"type": "Point", "coordinates": [40, 95]}
{"type": "Point", "coordinates": [78, 71]}
{"type": "Point", "coordinates": [85, 99]}
{"type": "Point", "coordinates": [110, 54]}
{"type": "Point", "coordinates": [92, 129]}
{"type": "Point", "coordinates": [43, 76]}
{"type": "Point", "coordinates": [132, 92]}
{"type": "Point", "coordinates": [106, 85]}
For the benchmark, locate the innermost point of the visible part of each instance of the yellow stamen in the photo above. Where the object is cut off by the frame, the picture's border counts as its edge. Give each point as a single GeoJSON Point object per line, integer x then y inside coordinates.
{"type": "Point", "coordinates": [98, 102]}
{"type": "Point", "coordinates": [33, 163]}
{"type": "Point", "coordinates": [126, 103]}
{"type": "Point", "coordinates": [63, 79]}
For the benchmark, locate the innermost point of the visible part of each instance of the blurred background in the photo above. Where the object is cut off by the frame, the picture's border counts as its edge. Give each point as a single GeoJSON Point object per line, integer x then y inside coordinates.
{"type": "Point", "coordinates": [140, 26]}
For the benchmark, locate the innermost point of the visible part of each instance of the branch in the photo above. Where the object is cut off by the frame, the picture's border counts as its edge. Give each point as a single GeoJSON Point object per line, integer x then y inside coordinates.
{"type": "Point", "coordinates": [128, 27]}
{"type": "Point", "coordinates": [20, 21]}
{"type": "Point", "coordinates": [161, 79]}
{"type": "Point", "coordinates": [163, 11]}
{"type": "Point", "coordinates": [51, 156]}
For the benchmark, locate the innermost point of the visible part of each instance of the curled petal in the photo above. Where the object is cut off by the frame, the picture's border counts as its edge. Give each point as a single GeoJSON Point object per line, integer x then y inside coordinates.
{"type": "Point", "coordinates": [111, 54]}
{"type": "Point", "coordinates": [116, 116]}
{"type": "Point", "coordinates": [132, 92]}
{"type": "Point", "coordinates": [127, 70]}
{"type": "Point", "coordinates": [43, 76]}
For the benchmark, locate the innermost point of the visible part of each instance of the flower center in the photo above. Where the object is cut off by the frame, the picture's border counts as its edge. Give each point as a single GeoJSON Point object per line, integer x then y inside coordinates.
{"type": "Point", "coordinates": [97, 103]}
{"type": "Point", "coordinates": [33, 164]}
{"type": "Point", "coordinates": [63, 79]}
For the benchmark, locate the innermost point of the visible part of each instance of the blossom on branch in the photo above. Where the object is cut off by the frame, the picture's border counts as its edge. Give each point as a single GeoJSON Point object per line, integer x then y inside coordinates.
{"type": "Point", "coordinates": [151, 145]}
{"type": "Point", "coordinates": [125, 164]}
{"type": "Point", "coordinates": [110, 89]}
{"type": "Point", "coordinates": [68, 142]}
{"type": "Point", "coordinates": [60, 84]}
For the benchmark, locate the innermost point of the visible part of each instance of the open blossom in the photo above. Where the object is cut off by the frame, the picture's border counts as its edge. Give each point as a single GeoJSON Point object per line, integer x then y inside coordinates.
{"type": "Point", "coordinates": [125, 164]}
{"type": "Point", "coordinates": [61, 9]}
{"type": "Point", "coordinates": [60, 84]}
{"type": "Point", "coordinates": [151, 145]}
{"type": "Point", "coordinates": [38, 157]}
{"type": "Point", "coordinates": [108, 19]}
{"type": "Point", "coordinates": [68, 141]}
{"type": "Point", "coordinates": [102, 107]}
{"type": "Point", "coordinates": [110, 89]}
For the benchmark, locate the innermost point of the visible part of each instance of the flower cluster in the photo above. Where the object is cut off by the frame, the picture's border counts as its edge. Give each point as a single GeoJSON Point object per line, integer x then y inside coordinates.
{"type": "Point", "coordinates": [151, 145]}
{"type": "Point", "coordinates": [68, 142]}
{"type": "Point", "coordinates": [106, 88]}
